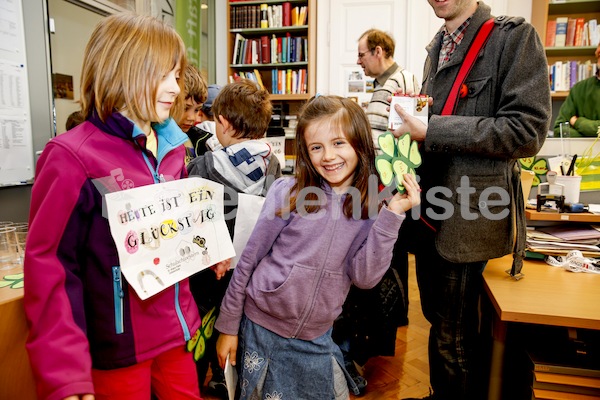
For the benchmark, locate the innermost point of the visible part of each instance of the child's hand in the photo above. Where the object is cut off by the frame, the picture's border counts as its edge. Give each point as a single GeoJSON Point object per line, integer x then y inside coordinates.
{"type": "Point", "coordinates": [401, 203]}
{"type": "Point", "coordinates": [227, 345]}
{"type": "Point", "coordinates": [221, 268]}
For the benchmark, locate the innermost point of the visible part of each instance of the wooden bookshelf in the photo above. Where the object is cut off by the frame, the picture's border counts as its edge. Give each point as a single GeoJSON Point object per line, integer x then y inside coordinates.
{"type": "Point", "coordinates": [248, 30]}
{"type": "Point", "coordinates": [544, 10]}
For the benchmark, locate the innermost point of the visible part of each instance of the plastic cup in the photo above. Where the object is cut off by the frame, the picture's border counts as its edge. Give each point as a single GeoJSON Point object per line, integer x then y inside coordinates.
{"type": "Point", "coordinates": [9, 256]}
{"type": "Point", "coordinates": [572, 184]}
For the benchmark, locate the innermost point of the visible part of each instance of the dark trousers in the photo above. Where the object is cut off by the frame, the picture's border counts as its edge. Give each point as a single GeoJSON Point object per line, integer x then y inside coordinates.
{"type": "Point", "coordinates": [450, 302]}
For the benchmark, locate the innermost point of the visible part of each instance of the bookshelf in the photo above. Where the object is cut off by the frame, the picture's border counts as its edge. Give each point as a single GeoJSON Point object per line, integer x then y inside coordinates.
{"type": "Point", "coordinates": [545, 11]}
{"type": "Point", "coordinates": [273, 43]}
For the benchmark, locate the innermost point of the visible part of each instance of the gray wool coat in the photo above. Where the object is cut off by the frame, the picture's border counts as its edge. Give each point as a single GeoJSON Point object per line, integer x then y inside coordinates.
{"type": "Point", "coordinates": [470, 175]}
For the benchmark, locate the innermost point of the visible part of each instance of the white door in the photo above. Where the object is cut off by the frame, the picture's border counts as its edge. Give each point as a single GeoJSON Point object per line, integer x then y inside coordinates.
{"type": "Point", "coordinates": [411, 23]}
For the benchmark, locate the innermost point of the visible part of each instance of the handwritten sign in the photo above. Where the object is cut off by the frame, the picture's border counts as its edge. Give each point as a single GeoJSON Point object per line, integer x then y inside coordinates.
{"type": "Point", "coordinates": [168, 231]}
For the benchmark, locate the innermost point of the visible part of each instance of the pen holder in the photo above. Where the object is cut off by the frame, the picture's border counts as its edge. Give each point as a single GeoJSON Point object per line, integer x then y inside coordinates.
{"type": "Point", "coordinates": [571, 185]}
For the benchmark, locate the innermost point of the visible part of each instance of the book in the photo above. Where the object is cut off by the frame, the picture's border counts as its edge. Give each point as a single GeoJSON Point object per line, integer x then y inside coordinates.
{"type": "Point", "coordinates": [570, 38]}
{"type": "Point", "coordinates": [550, 33]}
{"type": "Point", "coordinates": [561, 31]}
{"type": "Point", "coordinates": [265, 49]}
{"type": "Point", "coordinates": [259, 78]}
{"type": "Point", "coordinates": [571, 384]}
{"type": "Point", "coordinates": [543, 394]}
{"type": "Point", "coordinates": [579, 31]}
{"type": "Point", "coordinates": [264, 17]}
{"type": "Point", "coordinates": [559, 361]}
{"type": "Point", "coordinates": [287, 14]}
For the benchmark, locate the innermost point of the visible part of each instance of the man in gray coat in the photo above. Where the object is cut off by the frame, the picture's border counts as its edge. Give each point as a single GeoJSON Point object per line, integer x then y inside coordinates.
{"type": "Point", "coordinates": [472, 208]}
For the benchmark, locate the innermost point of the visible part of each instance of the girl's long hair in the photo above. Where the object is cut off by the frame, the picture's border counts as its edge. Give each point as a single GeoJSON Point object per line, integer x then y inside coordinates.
{"type": "Point", "coordinates": [350, 118]}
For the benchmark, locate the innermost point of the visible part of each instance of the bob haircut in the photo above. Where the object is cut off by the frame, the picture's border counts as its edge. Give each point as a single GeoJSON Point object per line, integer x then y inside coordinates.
{"type": "Point", "coordinates": [246, 106]}
{"type": "Point", "coordinates": [349, 118]}
{"type": "Point", "coordinates": [125, 59]}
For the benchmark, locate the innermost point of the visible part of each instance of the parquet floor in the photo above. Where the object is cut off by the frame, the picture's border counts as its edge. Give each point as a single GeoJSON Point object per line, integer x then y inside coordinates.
{"type": "Point", "coordinates": [407, 373]}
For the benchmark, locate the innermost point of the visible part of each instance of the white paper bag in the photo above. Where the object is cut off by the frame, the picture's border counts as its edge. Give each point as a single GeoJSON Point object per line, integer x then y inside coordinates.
{"type": "Point", "coordinates": [249, 207]}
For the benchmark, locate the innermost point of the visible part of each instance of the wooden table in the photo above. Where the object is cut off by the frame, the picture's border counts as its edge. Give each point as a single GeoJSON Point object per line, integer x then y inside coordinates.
{"type": "Point", "coordinates": [16, 379]}
{"type": "Point", "coordinates": [546, 296]}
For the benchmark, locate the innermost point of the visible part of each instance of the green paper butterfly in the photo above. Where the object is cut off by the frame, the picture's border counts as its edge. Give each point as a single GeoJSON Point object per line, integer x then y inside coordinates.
{"type": "Point", "coordinates": [539, 166]}
{"type": "Point", "coordinates": [399, 157]}
{"type": "Point", "coordinates": [197, 343]}
{"type": "Point", "coordinates": [14, 281]}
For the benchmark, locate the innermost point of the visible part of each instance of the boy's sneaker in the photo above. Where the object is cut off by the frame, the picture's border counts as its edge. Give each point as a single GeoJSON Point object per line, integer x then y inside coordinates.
{"type": "Point", "coordinates": [358, 379]}
{"type": "Point", "coordinates": [217, 386]}
{"type": "Point", "coordinates": [218, 389]}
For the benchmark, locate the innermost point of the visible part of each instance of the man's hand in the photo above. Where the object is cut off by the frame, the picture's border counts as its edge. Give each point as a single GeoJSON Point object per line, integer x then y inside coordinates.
{"type": "Point", "coordinates": [221, 268]}
{"type": "Point", "coordinates": [416, 128]}
{"type": "Point", "coordinates": [227, 345]}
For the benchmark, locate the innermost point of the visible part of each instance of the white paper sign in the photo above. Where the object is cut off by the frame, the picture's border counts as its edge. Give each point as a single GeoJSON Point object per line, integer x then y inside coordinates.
{"type": "Point", "coordinates": [249, 207]}
{"type": "Point", "coordinates": [168, 231]}
{"type": "Point", "coordinates": [416, 106]}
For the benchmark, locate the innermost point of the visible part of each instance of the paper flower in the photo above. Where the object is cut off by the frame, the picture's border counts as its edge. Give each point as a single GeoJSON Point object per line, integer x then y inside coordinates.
{"type": "Point", "coordinates": [399, 157]}
{"type": "Point", "coordinates": [14, 281]}
{"type": "Point", "coordinates": [539, 166]}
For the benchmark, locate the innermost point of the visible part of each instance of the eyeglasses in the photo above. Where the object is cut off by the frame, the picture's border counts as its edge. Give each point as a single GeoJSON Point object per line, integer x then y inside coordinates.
{"type": "Point", "coordinates": [361, 55]}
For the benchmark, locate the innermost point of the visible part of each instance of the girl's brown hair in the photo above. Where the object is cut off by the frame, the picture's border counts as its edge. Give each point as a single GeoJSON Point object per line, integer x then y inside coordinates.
{"type": "Point", "coordinates": [352, 120]}
{"type": "Point", "coordinates": [125, 59]}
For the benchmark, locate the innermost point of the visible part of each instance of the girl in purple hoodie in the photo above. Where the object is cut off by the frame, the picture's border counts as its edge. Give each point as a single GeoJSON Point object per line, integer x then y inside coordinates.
{"type": "Point", "coordinates": [317, 234]}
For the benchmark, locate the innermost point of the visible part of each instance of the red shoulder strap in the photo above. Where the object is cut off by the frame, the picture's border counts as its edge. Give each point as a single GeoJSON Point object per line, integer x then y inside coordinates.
{"type": "Point", "coordinates": [480, 41]}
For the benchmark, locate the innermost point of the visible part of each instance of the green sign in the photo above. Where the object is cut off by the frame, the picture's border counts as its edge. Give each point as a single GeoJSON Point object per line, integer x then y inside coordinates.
{"type": "Point", "coordinates": [188, 25]}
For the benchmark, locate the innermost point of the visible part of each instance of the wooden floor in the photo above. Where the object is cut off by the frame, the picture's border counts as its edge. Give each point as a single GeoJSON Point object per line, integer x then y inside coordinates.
{"type": "Point", "coordinates": [407, 373]}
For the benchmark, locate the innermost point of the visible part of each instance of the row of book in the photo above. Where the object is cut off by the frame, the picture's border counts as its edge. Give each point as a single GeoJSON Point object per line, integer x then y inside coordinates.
{"type": "Point", "coordinates": [265, 50]}
{"type": "Point", "coordinates": [282, 81]}
{"type": "Point", "coordinates": [567, 32]}
{"type": "Point", "coordinates": [564, 74]}
{"type": "Point", "coordinates": [268, 16]}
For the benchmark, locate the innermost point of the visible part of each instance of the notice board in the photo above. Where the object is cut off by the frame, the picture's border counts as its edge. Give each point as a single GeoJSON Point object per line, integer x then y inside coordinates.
{"type": "Point", "coordinates": [16, 147]}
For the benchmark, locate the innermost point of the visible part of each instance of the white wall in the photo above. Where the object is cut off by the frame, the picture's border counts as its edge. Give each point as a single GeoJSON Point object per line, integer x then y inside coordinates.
{"type": "Point", "coordinates": [74, 26]}
{"type": "Point", "coordinates": [414, 25]}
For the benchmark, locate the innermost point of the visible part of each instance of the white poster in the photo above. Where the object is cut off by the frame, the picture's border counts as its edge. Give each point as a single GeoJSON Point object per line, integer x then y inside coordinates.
{"type": "Point", "coordinates": [168, 231]}
{"type": "Point", "coordinates": [249, 207]}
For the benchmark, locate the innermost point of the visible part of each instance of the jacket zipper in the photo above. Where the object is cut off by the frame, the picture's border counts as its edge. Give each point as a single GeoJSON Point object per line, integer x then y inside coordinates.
{"type": "Point", "coordinates": [159, 178]}
{"type": "Point", "coordinates": [118, 299]}
{"type": "Point", "coordinates": [317, 283]}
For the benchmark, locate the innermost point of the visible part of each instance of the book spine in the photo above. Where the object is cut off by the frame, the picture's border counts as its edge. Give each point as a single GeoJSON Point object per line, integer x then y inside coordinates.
{"type": "Point", "coordinates": [265, 49]}
{"type": "Point", "coordinates": [579, 31]}
{"type": "Point", "coordinates": [570, 39]}
{"type": "Point", "coordinates": [551, 33]}
{"type": "Point", "coordinates": [561, 31]}
{"type": "Point", "coordinates": [566, 370]}
{"type": "Point", "coordinates": [287, 14]}
{"type": "Point", "coordinates": [264, 16]}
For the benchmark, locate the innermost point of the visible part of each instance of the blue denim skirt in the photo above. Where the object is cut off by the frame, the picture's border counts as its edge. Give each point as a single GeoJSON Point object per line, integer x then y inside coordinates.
{"type": "Point", "coordinates": [277, 368]}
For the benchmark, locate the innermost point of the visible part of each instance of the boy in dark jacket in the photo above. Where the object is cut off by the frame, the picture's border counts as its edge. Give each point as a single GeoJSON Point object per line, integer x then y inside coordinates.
{"type": "Point", "coordinates": [245, 164]}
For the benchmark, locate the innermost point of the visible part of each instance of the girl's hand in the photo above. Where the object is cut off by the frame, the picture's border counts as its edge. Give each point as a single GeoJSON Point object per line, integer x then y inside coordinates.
{"type": "Point", "coordinates": [401, 203]}
{"type": "Point", "coordinates": [81, 397]}
{"type": "Point", "coordinates": [227, 345]}
{"type": "Point", "coordinates": [221, 268]}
